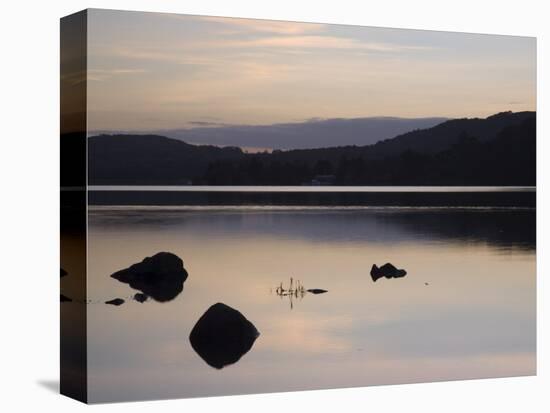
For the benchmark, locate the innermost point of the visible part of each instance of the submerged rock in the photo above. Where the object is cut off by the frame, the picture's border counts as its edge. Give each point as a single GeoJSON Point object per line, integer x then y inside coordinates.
{"type": "Point", "coordinates": [222, 336]}
{"type": "Point", "coordinates": [140, 297]}
{"type": "Point", "coordinates": [65, 299]}
{"type": "Point", "coordinates": [317, 291]}
{"type": "Point", "coordinates": [160, 276]}
{"type": "Point", "coordinates": [115, 301]}
{"type": "Point", "coordinates": [386, 270]}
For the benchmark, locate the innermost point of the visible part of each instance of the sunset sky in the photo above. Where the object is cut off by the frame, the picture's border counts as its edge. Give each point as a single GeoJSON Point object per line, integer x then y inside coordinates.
{"type": "Point", "coordinates": [165, 71]}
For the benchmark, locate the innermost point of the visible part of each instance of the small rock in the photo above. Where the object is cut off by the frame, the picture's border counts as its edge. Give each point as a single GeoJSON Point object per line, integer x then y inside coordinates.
{"type": "Point", "coordinates": [317, 291]}
{"type": "Point", "coordinates": [386, 270]}
{"type": "Point", "coordinates": [115, 301]}
{"type": "Point", "coordinates": [140, 297]}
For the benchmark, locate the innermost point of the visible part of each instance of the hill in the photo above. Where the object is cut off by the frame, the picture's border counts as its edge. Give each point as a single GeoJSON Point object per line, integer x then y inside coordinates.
{"type": "Point", "coordinates": [149, 160]}
{"type": "Point", "coordinates": [498, 150]}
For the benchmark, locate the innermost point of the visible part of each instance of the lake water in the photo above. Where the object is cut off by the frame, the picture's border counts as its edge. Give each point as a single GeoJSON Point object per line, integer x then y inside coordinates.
{"type": "Point", "coordinates": [340, 196]}
{"type": "Point", "coordinates": [466, 308]}
{"type": "Point", "coordinates": [309, 189]}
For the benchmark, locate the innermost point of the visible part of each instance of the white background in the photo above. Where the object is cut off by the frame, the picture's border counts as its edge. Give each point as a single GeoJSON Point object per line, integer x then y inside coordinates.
{"type": "Point", "coordinates": [29, 158]}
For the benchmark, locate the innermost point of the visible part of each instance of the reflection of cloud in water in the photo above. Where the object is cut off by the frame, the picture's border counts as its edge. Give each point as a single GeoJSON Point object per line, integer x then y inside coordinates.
{"type": "Point", "coordinates": [305, 334]}
{"type": "Point", "coordinates": [448, 333]}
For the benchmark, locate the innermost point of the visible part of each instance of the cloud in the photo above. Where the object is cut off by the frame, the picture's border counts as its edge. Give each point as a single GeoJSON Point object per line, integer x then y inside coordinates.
{"type": "Point", "coordinates": [200, 123]}
{"type": "Point", "coordinates": [321, 42]}
{"type": "Point", "coordinates": [216, 51]}
{"type": "Point", "coordinates": [236, 25]}
{"type": "Point", "coordinates": [262, 72]}
{"type": "Point", "coordinates": [99, 75]}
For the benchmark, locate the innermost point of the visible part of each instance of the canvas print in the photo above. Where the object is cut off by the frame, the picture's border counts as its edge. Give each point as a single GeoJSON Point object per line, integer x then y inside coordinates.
{"type": "Point", "coordinates": [255, 206]}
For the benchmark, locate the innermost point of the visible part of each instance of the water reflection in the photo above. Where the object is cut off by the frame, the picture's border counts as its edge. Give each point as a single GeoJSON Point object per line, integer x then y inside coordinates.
{"type": "Point", "coordinates": [503, 228]}
{"type": "Point", "coordinates": [500, 227]}
{"type": "Point", "coordinates": [222, 336]}
{"type": "Point", "coordinates": [73, 286]}
{"type": "Point", "coordinates": [476, 319]}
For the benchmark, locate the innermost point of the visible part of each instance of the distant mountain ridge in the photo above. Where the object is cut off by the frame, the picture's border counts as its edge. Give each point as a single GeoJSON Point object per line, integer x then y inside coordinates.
{"type": "Point", "coordinates": [419, 156]}
{"type": "Point", "coordinates": [315, 133]}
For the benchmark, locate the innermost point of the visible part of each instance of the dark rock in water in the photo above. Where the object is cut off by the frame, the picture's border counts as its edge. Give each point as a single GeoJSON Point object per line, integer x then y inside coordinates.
{"type": "Point", "coordinates": [160, 276]}
{"type": "Point", "coordinates": [140, 297]}
{"type": "Point", "coordinates": [63, 272]}
{"type": "Point", "coordinates": [65, 299]}
{"type": "Point", "coordinates": [386, 270]}
{"type": "Point", "coordinates": [222, 336]}
{"type": "Point", "coordinates": [316, 291]}
{"type": "Point", "coordinates": [115, 301]}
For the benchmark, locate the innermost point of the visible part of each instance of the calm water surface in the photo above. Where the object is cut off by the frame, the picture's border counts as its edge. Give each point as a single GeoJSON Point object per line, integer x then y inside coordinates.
{"type": "Point", "coordinates": [466, 308]}
{"type": "Point", "coordinates": [332, 188]}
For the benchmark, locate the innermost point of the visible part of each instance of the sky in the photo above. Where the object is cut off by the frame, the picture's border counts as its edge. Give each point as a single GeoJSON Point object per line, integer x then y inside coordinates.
{"type": "Point", "coordinates": [150, 71]}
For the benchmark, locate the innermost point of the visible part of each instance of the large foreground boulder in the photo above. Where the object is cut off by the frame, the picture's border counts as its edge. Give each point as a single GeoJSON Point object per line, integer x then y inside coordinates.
{"type": "Point", "coordinates": [160, 276]}
{"type": "Point", "coordinates": [222, 336]}
{"type": "Point", "coordinates": [386, 270]}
